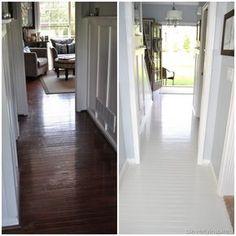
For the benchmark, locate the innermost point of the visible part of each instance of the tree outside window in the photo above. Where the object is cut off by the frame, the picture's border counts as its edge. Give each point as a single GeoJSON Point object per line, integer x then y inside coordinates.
{"type": "Point", "coordinates": [57, 19]}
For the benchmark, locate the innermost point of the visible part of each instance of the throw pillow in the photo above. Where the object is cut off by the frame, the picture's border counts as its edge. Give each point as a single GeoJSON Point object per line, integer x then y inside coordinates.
{"type": "Point", "coordinates": [27, 49]}
{"type": "Point", "coordinates": [61, 48]}
{"type": "Point", "coordinates": [71, 48]}
{"type": "Point", "coordinates": [61, 41]}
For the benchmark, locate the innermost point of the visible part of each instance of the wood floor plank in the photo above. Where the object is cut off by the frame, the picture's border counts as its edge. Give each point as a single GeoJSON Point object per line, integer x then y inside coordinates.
{"type": "Point", "coordinates": [67, 169]}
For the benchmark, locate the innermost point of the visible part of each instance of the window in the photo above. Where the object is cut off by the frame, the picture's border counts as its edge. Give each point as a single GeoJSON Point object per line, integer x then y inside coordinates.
{"type": "Point", "coordinates": [57, 19]}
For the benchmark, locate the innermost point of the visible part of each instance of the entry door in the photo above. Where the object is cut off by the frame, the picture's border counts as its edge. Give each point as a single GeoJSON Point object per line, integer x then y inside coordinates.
{"type": "Point", "coordinates": [157, 57]}
{"type": "Point", "coordinates": [153, 52]}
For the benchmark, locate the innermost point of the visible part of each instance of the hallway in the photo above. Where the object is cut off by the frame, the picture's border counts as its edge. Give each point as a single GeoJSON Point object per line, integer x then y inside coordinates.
{"type": "Point", "coordinates": [168, 192]}
{"type": "Point", "coordinates": [67, 169]}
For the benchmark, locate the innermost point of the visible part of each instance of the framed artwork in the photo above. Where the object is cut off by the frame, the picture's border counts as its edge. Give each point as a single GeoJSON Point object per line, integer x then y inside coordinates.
{"type": "Point", "coordinates": [227, 46]}
{"type": "Point", "coordinates": [27, 12]}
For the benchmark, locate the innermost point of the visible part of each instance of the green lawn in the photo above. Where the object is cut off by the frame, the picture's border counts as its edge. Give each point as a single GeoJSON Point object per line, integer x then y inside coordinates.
{"type": "Point", "coordinates": [181, 81]}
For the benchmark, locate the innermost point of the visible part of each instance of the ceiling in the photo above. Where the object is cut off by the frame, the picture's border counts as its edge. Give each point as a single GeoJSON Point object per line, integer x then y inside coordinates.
{"type": "Point", "coordinates": [171, 3]}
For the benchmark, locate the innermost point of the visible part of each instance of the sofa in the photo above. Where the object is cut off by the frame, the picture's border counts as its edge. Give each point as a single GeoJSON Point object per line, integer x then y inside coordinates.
{"type": "Point", "coordinates": [36, 62]}
{"type": "Point", "coordinates": [62, 47]}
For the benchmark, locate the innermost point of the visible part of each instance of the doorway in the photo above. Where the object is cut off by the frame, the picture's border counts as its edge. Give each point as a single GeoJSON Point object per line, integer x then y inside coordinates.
{"type": "Point", "coordinates": [178, 55]}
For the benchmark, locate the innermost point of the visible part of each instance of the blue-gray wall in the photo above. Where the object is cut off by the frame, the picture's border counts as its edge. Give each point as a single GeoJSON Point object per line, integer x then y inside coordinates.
{"type": "Point", "coordinates": [159, 12]}
{"type": "Point", "coordinates": [223, 100]}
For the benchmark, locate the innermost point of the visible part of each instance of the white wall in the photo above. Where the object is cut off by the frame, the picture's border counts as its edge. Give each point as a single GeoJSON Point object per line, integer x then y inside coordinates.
{"type": "Point", "coordinates": [82, 10]}
{"type": "Point", "coordinates": [17, 66]}
{"type": "Point", "coordinates": [134, 87]}
{"type": "Point", "coordinates": [158, 11]}
{"type": "Point", "coordinates": [127, 92]}
{"type": "Point", "coordinates": [102, 73]}
{"type": "Point", "coordinates": [10, 174]}
{"type": "Point", "coordinates": [226, 174]}
{"type": "Point", "coordinates": [223, 100]}
{"type": "Point", "coordinates": [216, 89]}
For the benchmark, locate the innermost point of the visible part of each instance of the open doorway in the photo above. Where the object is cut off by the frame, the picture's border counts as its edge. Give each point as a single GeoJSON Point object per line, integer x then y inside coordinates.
{"type": "Point", "coordinates": [51, 40]}
{"type": "Point", "coordinates": [178, 58]}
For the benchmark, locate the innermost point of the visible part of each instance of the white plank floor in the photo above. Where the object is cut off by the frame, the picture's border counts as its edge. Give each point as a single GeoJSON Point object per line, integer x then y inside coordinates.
{"type": "Point", "coordinates": [168, 192]}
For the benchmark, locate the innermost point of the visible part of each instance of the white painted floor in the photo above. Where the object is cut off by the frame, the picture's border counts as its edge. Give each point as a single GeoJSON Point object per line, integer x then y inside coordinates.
{"type": "Point", "coordinates": [168, 192]}
{"type": "Point", "coordinates": [176, 90]}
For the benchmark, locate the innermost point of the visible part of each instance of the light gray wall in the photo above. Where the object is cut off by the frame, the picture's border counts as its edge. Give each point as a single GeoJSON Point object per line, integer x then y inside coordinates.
{"type": "Point", "coordinates": [223, 101]}
{"type": "Point", "coordinates": [159, 12]}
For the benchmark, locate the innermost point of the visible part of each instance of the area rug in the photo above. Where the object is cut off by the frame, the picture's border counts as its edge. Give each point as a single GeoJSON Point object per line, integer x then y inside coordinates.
{"type": "Point", "coordinates": [52, 84]}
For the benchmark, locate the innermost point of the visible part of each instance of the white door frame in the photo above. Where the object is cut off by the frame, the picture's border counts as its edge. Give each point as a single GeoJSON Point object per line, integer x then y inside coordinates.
{"type": "Point", "coordinates": [199, 66]}
{"type": "Point", "coordinates": [210, 36]}
{"type": "Point", "coordinates": [81, 68]}
{"type": "Point", "coordinates": [127, 86]}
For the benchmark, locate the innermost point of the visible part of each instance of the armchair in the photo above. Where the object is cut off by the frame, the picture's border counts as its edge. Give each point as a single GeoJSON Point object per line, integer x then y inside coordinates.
{"type": "Point", "coordinates": [61, 46]}
{"type": "Point", "coordinates": [36, 62]}
{"type": "Point", "coordinates": [167, 74]}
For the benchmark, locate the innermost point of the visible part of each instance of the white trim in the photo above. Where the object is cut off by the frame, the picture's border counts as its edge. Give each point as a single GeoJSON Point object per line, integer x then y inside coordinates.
{"type": "Point", "coordinates": [127, 90]}
{"type": "Point", "coordinates": [147, 115]}
{"type": "Point", "coordinates": [213, 173]}
{"type": "Point", "coordinates": [210, 35]}
{"type": "Point", "coordinates": [10, 222]}
{"type": "Point", "coordinates": [105, 133]}
{"type": "Point", "coordinates": [81, 59]}
{"type": "Point", "coordinates": [226, 175]}
{"type": "Point", "coordinates": [98, 59]}
{"type": "Point", "coordinates": [204, 162]}
{"type": "Point", "coordinates": [123, 170]}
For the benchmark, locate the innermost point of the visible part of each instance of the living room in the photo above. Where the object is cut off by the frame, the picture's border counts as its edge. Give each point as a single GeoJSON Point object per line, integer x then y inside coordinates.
{"type": "Point", "coordinates": [49, 44]}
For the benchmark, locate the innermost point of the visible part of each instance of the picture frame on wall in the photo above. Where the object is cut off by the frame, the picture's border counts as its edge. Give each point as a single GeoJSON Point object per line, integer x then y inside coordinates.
{"type": "Point", "coordinates": [28, 15]}
{"type": "Point", "coordinates": [227, 46]}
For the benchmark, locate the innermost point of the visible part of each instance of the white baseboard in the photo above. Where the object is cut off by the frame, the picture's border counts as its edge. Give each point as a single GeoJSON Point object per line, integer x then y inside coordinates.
{"type": "Point", "coordinates": [209, 163]}
{"type": "Point", "coordinates": [122, 171]}
{"type": "Point", "coordinates": [213, 173]}
{"type": "Point", "coordinates": [125, 166]}
{"type": "Point", "coordinates": [107, 136]}
{"type": "Point", "coordinates": [204, 162]}
{"type": "Point", "coordinates": [148, 111]}
{"type": "Point", "coordinates": [10, 222]}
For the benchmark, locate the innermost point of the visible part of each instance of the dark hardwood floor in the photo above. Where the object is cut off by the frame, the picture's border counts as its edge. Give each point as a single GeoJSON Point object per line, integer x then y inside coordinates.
{"type": "Point", "coordinates": [67, 169]}
{"type": "Point", "coordinates": [229, 202]}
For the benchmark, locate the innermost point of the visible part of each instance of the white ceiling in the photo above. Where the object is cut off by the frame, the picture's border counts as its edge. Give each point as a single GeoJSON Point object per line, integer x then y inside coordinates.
{"type": "Point", "coordinates": [171, 3]}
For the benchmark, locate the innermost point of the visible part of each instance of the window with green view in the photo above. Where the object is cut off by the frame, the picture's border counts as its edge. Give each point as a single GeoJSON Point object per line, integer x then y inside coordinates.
{"type": "Point", "coordinates": [57, 19]}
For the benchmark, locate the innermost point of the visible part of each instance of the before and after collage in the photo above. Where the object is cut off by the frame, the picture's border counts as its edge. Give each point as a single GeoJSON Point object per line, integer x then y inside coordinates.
{"type": "Point", "coordinates": [117, 117]}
